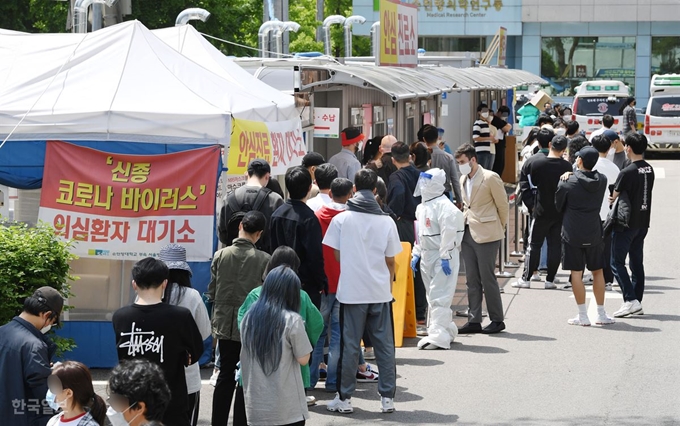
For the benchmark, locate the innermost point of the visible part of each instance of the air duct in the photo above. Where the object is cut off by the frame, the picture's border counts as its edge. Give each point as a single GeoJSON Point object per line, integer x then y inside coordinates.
{"type": "Point", "coordinates": [278, 35]}
{"type": "Point", "coordinates": [375, 39]}
{"type": "Point", "coordinates": [263, 35]}
{"type": "Point", "coordinates": [354, 19]}
{"type": "Point", "coordinates": [333, 19]}
{"type": "Point", "coordinates": [191, 14]}
{"type": "Point", "coordinates": [80, 13]}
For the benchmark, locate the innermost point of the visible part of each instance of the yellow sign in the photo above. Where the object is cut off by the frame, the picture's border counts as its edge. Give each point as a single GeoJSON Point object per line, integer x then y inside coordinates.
{"type": "Point", "coordinates": [398, 34]}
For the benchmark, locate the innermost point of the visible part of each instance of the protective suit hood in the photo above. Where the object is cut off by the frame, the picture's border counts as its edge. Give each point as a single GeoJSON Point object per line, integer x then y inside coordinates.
{"type": "Point", "coordinates": [430, 184]}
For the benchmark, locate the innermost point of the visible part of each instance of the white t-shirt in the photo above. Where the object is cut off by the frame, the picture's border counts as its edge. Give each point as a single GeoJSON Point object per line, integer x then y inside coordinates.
{"type": "Point", "coordinates": [610, 170]}
{"type": "Point", "coordinates": [597, 132]}
{"type": "Point", "coordinates": [315, 203]}
{"type": "Point", "coordinates": [364, 241]}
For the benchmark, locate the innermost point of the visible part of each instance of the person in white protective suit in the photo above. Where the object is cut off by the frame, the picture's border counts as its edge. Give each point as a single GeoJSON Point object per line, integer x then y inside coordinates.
{"type": "Point", "coordinates": [440, 233]}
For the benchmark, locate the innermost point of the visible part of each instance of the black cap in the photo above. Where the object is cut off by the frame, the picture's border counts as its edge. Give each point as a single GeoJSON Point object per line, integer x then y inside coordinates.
{"type": "Point", "coordinates": [312, 159]}
{"type": "Point", "coordinates": [589, 156]}
{"type": "Point", "coordinates": [51, 298]}
{"type": "Point", "coordinates": [259, 167]}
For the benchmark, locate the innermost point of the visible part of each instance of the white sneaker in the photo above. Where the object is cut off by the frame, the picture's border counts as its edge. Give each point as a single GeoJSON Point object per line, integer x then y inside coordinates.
{"type": "Point", "coordinates": [520, 283]}
{"type": "Point", "coordinates": [536, 277]}
{"type": "Point", "coordinates": [550, 285]}
{"type": "Point", "coordinates": [556, 281]}
{"type": "Point", "coordinates": [628, 308]}
{"type": "Point", "coordinates": [311, 401]}
{"type": "Point", "coordinates": [387, 405]}
{"type": "Point", "coordinates": [580, 320]}
{"type": "Point", "coordinates": [588, 279]}
{"type": "Point", "coordinates": [636, 309]}
{"type": "Point", "coordinates": [340, 406]}
{"type": "Point", "coordinates": [608, 287]}
{"type": "Point", "coordinates": [604, 319]}
{"type": "Point", "coordinates": [213, 378]}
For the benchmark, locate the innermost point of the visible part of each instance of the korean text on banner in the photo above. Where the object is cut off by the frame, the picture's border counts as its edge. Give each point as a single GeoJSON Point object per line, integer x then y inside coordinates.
{"type": "Point", "coordinates": [398, 34]}
{"type": "Point", "coordinates": [128, 207]}
{"type": "Point", "coordinates": [280, 143]}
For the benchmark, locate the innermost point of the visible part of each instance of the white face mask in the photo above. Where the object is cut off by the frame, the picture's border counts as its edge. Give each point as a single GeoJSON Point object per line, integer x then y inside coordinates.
{"type": "Point", "coordinates": [611, 152]}
{"type": "Point", "coordinates": [561, 131]}
{"type": "Point", "coordinates": [485, 115]}
{"type": "Point", "coordinates": [465, 169]}
{"type": "Point", "coordinates": [117, 419]}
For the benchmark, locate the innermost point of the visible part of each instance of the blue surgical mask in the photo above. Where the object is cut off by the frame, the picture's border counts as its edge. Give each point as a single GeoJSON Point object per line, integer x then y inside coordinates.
{"type": "Point", "coordinates": [52, 400]}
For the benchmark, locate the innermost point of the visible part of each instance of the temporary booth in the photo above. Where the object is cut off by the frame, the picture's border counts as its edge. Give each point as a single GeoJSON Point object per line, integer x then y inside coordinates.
{"type": "Point", "coordinates": [120, 90]}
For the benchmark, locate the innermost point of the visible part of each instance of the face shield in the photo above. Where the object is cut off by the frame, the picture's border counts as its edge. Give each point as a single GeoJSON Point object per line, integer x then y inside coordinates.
{"type": "Point", "coordinates": [430, 184]}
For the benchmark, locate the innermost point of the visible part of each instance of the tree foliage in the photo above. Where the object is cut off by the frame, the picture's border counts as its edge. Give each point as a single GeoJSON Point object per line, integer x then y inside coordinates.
{"type": "Point", "coordinates": [34, 16]}
{"type": "Point", "coordinates": [666, 50]}
{"type": "Point", "coordinates": [32, 258]}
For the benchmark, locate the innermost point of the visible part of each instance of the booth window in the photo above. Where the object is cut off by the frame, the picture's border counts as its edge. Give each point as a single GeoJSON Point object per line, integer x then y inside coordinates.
{"type": "Point", "coordinates": [410, 123]}
{"type": "Point", "coordinates": [379, 121]}
{"type": "Point", "coordinates": [665, 55]}
{"type": "Point", "coordinates": [569, 61]}
{"type": "Point", "coordinates": [357, 118]}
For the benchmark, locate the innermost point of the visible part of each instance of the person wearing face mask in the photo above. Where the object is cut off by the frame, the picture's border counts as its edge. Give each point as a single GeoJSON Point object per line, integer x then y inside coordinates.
{"type": "Point", "coordinates": [486, 215]}
{"type": "Point", "coordinates": [25, 355]}
{"type": "Point", "coordinates": [616, 154]}
{"type": "Point", "coordinates": [482, 137]}
{"type": "Point", "coordinates": [559, 127]}
{"type": "Point", "coordinates": [70, 390]}
{"type": "Point", "coordinates": [138, 394]}
{"type": "Point", "coordinates": [629, 116]}
{"type": "Point", "coordinates": [500, 121]}
{"type": "Point", "coordinates": [346, 160]}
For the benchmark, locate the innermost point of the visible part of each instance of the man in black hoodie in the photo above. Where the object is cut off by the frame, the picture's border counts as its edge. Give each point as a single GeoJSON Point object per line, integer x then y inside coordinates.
{"type": "Point", "coordinates": [580, 199]}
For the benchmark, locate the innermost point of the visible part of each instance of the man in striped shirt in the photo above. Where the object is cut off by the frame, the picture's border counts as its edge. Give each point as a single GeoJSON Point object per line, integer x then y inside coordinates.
{"type": "Point", "coordinates": [482, 137]}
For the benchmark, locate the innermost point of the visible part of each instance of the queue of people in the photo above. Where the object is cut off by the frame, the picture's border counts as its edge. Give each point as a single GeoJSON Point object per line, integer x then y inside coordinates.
{"type": "Point", "coordinates": [318, 271]}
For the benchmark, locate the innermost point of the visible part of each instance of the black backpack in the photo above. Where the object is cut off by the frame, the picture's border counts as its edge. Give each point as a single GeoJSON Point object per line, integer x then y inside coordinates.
{"type": "Point", "coordinates": [239, 209]}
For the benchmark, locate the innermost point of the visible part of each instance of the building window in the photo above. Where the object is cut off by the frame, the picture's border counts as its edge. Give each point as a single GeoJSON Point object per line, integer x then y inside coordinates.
{"type": "Point", "coordinates": [357, 118]}
{"type": "Point", "coordinates": [378, 121]}
{"type": "Point", "coordinates": [568, 61]}
{"type": "Point", "coordinates": [452, 44]}
{"type": "Point", "coordinates": [665, 55]}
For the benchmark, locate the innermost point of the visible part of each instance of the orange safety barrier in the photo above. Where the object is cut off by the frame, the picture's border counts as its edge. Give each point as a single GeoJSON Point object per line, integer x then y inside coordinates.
{"type": "Point", "coordinates": [404, 306]}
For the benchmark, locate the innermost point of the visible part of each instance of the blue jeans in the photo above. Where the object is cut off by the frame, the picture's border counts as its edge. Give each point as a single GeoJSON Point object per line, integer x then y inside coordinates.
{"type": "Point", "coordinates": [631, 243]}
{"type": "Point", "coordinates": [330, 311]}
{"type": "Point", "coordinates": [485, 159]}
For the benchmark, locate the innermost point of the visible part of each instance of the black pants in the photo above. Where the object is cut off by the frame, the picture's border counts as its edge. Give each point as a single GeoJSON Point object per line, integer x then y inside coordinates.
{"type": "Point", "coordinates": [240, 418]}
{"type": "Point", "coordinates": [542, 228]}
{"type": "Point", "coordinates": [607, 269]}
{"type": "Point", "coordinates": [194, 406]}
{"type": "Point", "coordinates": [499, 160]}
{"type": "Point", "coordinates": [230, 353]}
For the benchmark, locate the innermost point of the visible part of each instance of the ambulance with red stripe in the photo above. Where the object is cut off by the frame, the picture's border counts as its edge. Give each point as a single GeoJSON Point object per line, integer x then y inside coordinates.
{"type": "Point", "coordinates": [662, 116]}
{"type": "Point", "coordinates": [596, 98]}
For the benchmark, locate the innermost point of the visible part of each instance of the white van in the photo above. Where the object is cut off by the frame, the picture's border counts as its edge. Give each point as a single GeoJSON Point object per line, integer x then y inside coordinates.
{"type": "Point", "coordinates": [596, 98]}
{"type": "Point", "coordinates": [662, 116]}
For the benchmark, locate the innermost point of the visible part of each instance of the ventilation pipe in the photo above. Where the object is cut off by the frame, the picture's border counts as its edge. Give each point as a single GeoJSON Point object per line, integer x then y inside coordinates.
{"type": "Point", "coordinates": [80, 13]}
{"type": "Point", "coordinates": [191, 14]}
{"type": "Point", "coordinates": [263, 35]}
{"type": "Point", "coordinates": [354, 19]}
{"type": "Point", "coordinates": [333, 19]}
{"type": "Point", "coordinates": [278, 35]}
{"type": "Point", "coordinates": [375, 39]}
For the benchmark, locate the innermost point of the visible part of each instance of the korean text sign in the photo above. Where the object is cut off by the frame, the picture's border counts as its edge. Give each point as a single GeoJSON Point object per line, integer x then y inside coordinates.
{"type": "Point", "coordinates": [326, 122]}
{"type": "Point", "coordinates": [280, 143]}
{"type": "Point", "coordinates": [120, 206]}
{"type": "Point", "coordinates": [398, 34]}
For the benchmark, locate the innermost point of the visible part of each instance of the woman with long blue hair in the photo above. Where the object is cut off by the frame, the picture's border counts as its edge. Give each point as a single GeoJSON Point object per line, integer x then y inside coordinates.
{"type": "Point", "coordinates": [274, 345]}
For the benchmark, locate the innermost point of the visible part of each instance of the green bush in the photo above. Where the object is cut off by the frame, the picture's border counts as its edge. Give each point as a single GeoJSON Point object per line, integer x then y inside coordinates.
{"type": "Point", "coordinates": [32, 257]}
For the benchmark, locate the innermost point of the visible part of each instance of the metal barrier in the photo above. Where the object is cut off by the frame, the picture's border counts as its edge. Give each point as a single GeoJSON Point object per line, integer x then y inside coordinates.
{"type": "Point", "coordinates": [504, 249]}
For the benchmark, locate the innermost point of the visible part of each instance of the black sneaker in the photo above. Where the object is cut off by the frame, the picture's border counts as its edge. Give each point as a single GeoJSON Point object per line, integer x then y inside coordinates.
{"type": "Point", "coordinates": [470, 328]}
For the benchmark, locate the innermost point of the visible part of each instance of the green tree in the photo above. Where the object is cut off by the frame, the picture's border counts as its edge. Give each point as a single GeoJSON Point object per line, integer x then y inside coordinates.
{"type": "Point", "coordinates": [32, 258]}
{"type": "Point", "coordinates": [34, 16]}
{"type": "Point", "coordinates": [665, 51]}
{"type": "Point", "coordinates": [548, 66]}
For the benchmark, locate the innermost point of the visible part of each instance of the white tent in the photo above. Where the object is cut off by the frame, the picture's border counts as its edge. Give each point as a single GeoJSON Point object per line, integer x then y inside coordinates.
{"type": "Point", "coordinates": [120, 83]}
{"type": "Point", "coordinates": [190, 43]}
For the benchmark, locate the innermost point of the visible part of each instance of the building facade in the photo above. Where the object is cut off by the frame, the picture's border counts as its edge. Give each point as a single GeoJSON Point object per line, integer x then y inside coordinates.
{"type": "Point", "coordinates": [564, 42]}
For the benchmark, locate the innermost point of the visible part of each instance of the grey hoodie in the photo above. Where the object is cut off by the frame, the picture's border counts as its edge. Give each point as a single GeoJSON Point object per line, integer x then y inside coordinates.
{"type": "Point", "coordinates": [580, 199]}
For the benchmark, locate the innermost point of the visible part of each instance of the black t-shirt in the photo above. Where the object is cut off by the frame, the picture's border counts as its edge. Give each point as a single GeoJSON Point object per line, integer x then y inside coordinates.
{"type": "Point", "coordinates": [637, 180]}
{"type": "Point", "coordinates": [544, 172]}
{"type": "Point", "coordinates": [499, 123]}
{"type": "Point", "coordinates": [164, 334]}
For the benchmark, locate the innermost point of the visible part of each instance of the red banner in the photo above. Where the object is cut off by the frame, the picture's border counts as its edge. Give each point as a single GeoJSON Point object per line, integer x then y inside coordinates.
{"type": "Point", "coordinates": [121, 206]}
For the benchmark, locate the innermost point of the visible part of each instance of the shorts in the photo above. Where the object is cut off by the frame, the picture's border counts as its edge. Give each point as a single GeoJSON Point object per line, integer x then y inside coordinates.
{"type": "Point", "coordinates": [577, 258]}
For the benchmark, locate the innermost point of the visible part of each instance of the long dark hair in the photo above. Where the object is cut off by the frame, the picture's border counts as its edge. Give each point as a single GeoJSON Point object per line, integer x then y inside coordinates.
{"type": "Point", "coordinates": [280, 293]}
{"type": "Point", "coordinates": [283, 255]}
{"type": "Point", "coordinates": [77, 377]}
{"type": "Point", "coordinates": [178, 282]}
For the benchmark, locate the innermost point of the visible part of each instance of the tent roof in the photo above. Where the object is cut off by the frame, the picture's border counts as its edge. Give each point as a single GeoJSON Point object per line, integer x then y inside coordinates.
{"type": "Point", "coordinates": [119, 83]}
{"type": "Point", "coordinates": [190, 43]}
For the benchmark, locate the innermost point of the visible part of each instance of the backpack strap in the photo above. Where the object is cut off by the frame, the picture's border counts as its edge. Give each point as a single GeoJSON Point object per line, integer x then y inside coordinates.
{"type": "Point", "coordinates": [234, 205]}
{"type": "Point", "coordinates": [262, 196]}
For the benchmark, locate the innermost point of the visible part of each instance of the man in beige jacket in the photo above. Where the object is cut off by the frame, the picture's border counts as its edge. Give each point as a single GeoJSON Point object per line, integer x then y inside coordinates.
{"type": "Point", "coordinates": [486, 213]}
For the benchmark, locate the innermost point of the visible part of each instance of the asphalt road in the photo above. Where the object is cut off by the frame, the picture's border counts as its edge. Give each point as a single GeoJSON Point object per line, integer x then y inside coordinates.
{"type": "Point", "coordinates": [542, 371]}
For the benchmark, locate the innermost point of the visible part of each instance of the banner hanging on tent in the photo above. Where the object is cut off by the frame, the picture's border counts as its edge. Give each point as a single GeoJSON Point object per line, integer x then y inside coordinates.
{"type": "Point", "coordinates": [128, 207]}
{"type": "Point", "coordinates": [280, 143]}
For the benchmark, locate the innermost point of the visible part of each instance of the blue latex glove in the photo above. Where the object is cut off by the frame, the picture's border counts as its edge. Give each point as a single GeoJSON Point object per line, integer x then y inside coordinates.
{"type": "Point", "coordinates": [446, 267]}
{"type": "Point", "coordinates": [414, 263]}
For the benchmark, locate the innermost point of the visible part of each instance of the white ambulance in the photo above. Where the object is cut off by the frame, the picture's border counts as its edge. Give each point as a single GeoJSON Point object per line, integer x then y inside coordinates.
{"type": "Point", "coordinates": [662, 116]}
{"type": "Point", "coordinates": [596, 98]}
